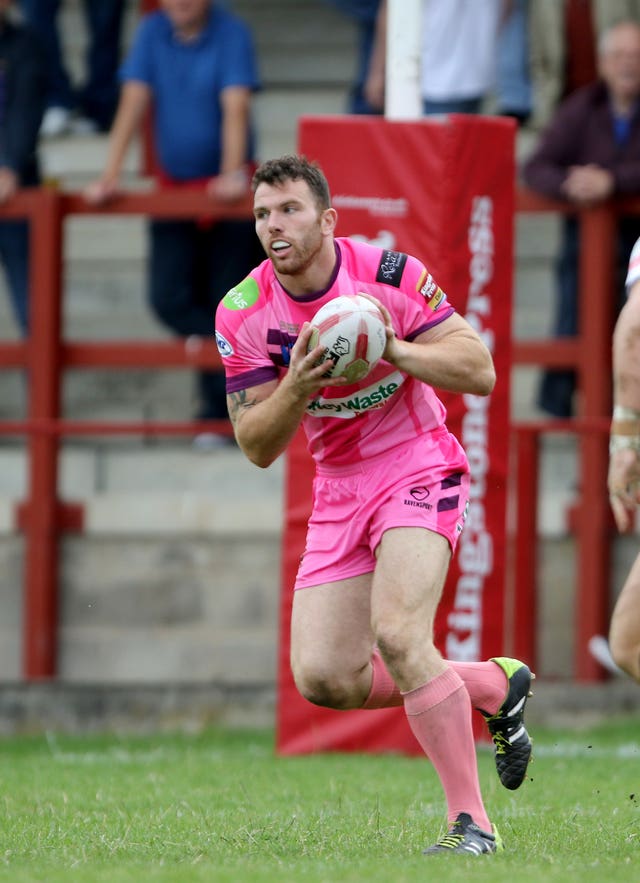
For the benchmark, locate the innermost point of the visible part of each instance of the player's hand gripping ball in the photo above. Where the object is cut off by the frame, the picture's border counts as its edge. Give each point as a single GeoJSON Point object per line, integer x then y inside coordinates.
{"type": "Point", "coordinates": [351, 330]}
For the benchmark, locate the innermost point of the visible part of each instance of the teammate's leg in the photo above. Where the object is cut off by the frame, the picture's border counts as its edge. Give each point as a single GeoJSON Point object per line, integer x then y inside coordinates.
{"type": "Point", "coordinates": [624, 631]}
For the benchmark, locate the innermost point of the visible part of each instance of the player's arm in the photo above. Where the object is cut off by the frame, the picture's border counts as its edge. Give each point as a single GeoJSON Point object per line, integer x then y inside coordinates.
{"type": "Point", "coordinates": [624, 461]}
{"type": "Point", "coordinates": [265, 418]}
{"type": "Point", "coordinates": [449, 356]}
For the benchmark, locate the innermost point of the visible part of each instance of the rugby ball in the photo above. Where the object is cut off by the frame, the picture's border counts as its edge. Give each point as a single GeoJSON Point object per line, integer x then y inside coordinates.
{"type": "Point", "coordinates": [352, 331]}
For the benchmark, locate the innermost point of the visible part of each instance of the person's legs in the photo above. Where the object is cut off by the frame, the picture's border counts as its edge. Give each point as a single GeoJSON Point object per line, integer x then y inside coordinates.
{"type": "Point", "coordinates": [14, 252]}
{"type": "Point", "coordinates": [486, 684]}
{"type": "Point", "coordinates": [407, 585]}
{"type": "Point", "coordinates": [41, 15]}
{"type": "Point", "coordinates": [173, 278]}
{"type": "Point", "coordinates": [226, 253]}
{"type": "Point", "coordinates": [99, 96]}
{"type": "Point", "coordinates": [177, 294]}
{"type": "Point", "coordinates": [332, 642]}
{"type": "Point", "coordinates": [624, 630]}
{"type": "Point", "coordinates": [558, 384]}
{"type": "Point", "coordinates": [514, 94]}
{"type": "Point", "coordinates": [430, 107]}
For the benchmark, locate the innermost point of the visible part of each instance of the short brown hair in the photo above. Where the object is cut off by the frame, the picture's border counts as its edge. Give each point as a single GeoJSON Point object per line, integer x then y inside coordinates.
{"type": "Point", "coordinates": [294, 168]}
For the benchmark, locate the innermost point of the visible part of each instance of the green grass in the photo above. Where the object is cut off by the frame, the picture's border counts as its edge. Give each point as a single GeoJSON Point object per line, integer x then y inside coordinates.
{"type": "Point", "coordinates": [221, 806]}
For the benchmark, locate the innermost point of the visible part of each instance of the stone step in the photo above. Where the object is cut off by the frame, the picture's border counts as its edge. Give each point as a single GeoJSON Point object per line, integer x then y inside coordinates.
{"type": "Point", "coordinates": [142, 608]}
{"type": "Point", "coordinates": [72, 162]}
{"type": "Point", "coordinates": [129, 467]}
{"type": "Point", "coordinates": [156, 486]}
{"type": "Point", "coordinates": [302, 42]}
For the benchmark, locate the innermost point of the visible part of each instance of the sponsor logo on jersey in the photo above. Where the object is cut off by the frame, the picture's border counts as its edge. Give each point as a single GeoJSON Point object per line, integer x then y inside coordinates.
{"type": "Point", "coordinates": [224, 347]}
{"type": "Point", "coordinates": [374, 396]}
{"type": "Point", "coordinates": [391, 267]}
{"type": "Point", "coordinates": [243, 295]}
{"type": "Point", "coordinates": [428, 288]}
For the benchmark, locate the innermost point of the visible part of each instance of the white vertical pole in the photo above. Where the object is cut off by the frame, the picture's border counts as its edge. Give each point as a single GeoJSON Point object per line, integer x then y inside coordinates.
{"type": "Point", "coordinates": [402, 78]}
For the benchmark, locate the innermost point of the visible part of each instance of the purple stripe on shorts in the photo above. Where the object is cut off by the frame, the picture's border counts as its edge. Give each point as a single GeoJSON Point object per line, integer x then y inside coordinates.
{"type": "Point", "coordinates": [448, 503]}
{"type": "Point", "coordinates": [451, 481]}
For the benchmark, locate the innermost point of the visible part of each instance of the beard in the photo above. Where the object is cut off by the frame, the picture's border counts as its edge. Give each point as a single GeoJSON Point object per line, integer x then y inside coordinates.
{"type": "Point", "coordinates": [301, 255]}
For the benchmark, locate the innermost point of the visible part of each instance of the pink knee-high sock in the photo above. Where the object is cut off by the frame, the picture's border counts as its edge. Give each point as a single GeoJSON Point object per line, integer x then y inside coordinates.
{"type": "Point", "coordinates": [384, 693]}
{"type": "Point", "coordinates": [439, 714]}
{"type": "Point", "coordinates": [486, 683]}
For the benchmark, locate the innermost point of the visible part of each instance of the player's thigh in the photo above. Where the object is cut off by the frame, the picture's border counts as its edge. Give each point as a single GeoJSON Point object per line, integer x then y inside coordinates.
{"type": "Point", "coordinates": [331, 625]}
{"type": "Point", "coordinates": [410, 572]}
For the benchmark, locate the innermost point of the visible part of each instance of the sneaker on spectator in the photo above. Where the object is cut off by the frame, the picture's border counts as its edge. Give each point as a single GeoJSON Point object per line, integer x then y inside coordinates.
{"type": "Point", "coordinates": [56, 122]}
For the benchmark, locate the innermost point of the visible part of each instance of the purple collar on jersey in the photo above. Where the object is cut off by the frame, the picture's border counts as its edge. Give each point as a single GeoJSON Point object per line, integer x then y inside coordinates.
{"type": "Point", "coordinates": [315, 295]}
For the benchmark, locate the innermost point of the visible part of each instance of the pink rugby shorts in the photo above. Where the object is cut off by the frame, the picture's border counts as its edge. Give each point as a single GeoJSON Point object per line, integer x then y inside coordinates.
{"type": "Point", "coordinates": [422, 483]}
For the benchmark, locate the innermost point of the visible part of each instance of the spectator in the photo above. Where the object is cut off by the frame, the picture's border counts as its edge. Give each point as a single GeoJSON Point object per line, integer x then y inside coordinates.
{"type": "Point", "coordinates": [513, 76]}
{"type": "Point", "coordinates": [96, 101]}
{"type": "Point", "coordinates": [459, 50]}
{"type": "Point", "coordinates": [364, 13]}
{"type": "Point", "coordinates": [194, 64]}
{"type": "Point", "coordinates": [22, 91]}
{"type": "Point", "coordinates": [563, 37]}
{"type": "Point", "coordinates": [589, 152]}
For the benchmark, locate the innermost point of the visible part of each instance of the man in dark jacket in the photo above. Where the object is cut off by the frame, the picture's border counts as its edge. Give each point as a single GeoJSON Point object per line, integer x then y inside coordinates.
{"type": "Point", "coordinates": [22, 96]}
{"type": "Point", "coordinates": [590, 152]}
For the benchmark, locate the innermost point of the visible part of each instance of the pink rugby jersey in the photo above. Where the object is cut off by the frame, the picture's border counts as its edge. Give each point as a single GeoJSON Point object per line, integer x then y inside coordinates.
{"type": "Point", "coordinates": [258, 322]}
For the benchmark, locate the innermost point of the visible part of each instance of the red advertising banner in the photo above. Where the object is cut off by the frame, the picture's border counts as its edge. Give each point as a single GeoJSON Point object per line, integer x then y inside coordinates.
{"type": "Point", "coordinates": [442, 190]}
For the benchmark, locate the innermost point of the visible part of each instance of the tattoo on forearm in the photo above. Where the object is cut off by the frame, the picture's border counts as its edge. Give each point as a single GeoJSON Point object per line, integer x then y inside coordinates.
{"type": "Point", "coordinates": [238, 401]}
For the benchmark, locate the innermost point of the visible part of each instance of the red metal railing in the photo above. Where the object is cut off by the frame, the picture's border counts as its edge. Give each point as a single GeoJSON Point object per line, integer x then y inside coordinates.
{"type": "Point", "coordinates": [590, 353]}
{"type": "Point", "coordinates": [46, 356]}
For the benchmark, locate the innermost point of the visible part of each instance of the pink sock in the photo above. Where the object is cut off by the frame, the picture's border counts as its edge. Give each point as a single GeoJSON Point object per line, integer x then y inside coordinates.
{"type": "Point", "coordinates": [384, 692]}
{"type": "Point", "coordinates": [439, 714]}
{"type": "Point", "coordinates": [486, 683]}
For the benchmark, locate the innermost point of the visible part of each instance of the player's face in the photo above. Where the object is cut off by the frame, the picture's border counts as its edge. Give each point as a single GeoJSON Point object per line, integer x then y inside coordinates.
{"type": "Point", "coordinates": [290, 226]}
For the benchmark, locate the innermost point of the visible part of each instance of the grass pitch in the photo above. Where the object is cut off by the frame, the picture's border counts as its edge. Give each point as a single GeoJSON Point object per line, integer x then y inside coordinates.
{"type": "Point", "coordinates": [221, 806]}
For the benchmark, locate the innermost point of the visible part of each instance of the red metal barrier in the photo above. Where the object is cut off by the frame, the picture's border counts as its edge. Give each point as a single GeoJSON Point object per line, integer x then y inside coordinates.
{"type": "Point", "coordinates": [46, 356]}
{"type": "Point", "coordinates": [590, 354]}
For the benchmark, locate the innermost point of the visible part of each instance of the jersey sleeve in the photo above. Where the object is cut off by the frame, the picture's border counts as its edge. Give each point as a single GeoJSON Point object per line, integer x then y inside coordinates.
{"type": "Point", "coordinates": [402, 282]}
{"type": "Point", "coordinates": [423, 303]}
{"type": "Point", "coordinates": [241, 338]}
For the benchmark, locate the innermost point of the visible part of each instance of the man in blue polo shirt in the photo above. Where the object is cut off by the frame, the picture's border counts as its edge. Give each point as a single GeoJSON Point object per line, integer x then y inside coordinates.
{"type": "Point", "coordinates": [194, 65]}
